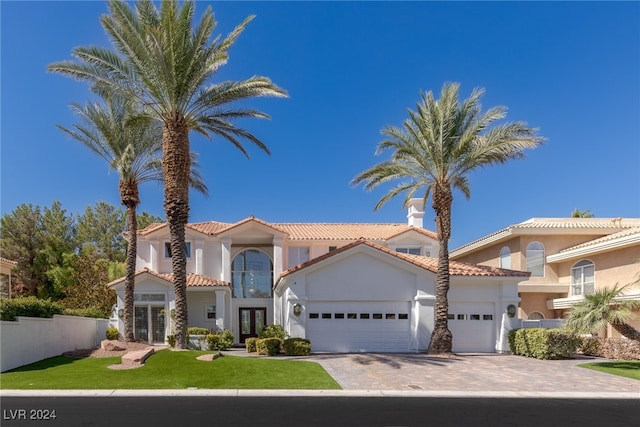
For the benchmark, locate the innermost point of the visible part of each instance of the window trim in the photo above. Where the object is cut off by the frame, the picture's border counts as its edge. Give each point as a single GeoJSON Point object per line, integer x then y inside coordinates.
{"type": "Point", "coordinates": [586, 263]}
{"type": "Point", "coordinates": [207, 311]}
{"type": "Point", "coordinates": [527, 257]}
{"type": "Point", "coordinates": [235, 271]}
{"type": "Point", "coordinates": [408, 248]}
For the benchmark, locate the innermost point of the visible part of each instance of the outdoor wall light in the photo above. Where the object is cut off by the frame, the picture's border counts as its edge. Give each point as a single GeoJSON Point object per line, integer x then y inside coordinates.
{"type": "Point", "coordinates": [297, 309]}
{"type": "Point", "coordinates": [511, 310]}
{"type": "Point", "coordinates": [120, 312]}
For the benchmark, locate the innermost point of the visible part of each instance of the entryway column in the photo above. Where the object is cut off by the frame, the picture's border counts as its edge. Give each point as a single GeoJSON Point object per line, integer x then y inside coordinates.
{"type": "Point", "coordinates": [277, 258]}
{"type": "Point", "coordinates": [225, 271]}
{"type": "Point", "coordinates": [220, 310]}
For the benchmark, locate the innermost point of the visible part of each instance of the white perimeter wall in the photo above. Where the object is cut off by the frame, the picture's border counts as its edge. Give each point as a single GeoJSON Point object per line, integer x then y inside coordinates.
{"type": "Point", "coordinates": [30, 339]}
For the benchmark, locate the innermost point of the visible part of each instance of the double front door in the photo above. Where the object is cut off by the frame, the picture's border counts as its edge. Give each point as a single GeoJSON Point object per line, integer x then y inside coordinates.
{"type": "Point", "coordinates": [252, 320]}
{"type": "Point", "coordinates": [149, 324]}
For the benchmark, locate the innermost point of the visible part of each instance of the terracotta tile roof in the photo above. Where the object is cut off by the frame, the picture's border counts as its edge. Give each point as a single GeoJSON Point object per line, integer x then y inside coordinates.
{"type": "Point", "coordinates": [8, 261]}
{"type": "Point", "coordinates": [347, 231]}
{"type": "Point", "coordinates": [428, 263]}
{"type": "Point", "coordinates": [310, 231]}
{"type": "Point", "coordinates": [193, 280]}
{"type": "Point", "coordinates": [553, 225]}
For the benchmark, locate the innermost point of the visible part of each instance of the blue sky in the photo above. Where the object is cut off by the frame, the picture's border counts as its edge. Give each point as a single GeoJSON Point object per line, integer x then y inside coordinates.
{"type": "Point", "coordinates": [570, 69]}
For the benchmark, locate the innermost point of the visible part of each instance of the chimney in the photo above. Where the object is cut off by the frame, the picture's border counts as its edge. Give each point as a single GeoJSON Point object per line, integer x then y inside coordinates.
{"type": "Point", "coordinates": [415, 213]}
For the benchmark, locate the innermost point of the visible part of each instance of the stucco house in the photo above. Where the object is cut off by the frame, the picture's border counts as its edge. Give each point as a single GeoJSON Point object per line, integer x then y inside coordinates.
{"type": "Point", "coordinates": [567, 258]}
{"type": "Point", "coordinates": [346, 287]}
{"type": "Point", "coordinates": [6, 267]}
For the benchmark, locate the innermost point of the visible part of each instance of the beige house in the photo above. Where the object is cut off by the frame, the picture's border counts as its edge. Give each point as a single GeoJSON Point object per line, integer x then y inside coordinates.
{"type": "Point", "coordinates": [567, 258]}
{"type": "Point", "coordinates": [6, 267]}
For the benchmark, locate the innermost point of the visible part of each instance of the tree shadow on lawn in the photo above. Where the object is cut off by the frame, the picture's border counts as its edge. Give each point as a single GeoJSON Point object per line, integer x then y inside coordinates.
{"type": "Point", "coordinates": [41, 365]}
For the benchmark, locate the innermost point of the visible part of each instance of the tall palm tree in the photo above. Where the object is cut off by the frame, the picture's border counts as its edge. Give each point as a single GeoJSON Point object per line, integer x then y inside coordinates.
{"type": "Point", "coordinates": [434, 152]}
{"type": "Point", "coordinates": [168, 64]}
{"type": "Point", "coordinates": [605, 307]}
{"type": "Point", "coordinates": [133, 149]}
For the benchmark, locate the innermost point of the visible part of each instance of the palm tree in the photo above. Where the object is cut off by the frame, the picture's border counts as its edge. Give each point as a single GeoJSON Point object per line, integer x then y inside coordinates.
{"type": "Point", "coordinates": [605, 306]}
{"type": "Point", "coordinates": [132, 148]}
{"type": "Point", "coordinates": [577, 213]}
{"type": "Point", "coordinates": [167, 64]}
{"type": "Point", "coordinates": [434, 152]}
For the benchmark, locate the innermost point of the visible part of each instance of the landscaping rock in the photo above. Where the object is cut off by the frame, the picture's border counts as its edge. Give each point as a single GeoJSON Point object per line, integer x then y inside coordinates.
{"type": "Point", "coordinates": [137, 357]}
{"type": "Point", "coordinates": [112, 345]}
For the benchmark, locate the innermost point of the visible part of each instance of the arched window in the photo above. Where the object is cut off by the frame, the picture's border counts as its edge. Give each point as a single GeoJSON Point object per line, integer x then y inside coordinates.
{"type": "Point", "coordinates": [252, 274]}
{"type": "Point", "coordinates": [535, 259]}
{"type": "Point", "coordinates": [505, 257]}
{"type": "Point", "coordinates": [535, 315]}
{"type": "Point", "coordinates": [583, 277]}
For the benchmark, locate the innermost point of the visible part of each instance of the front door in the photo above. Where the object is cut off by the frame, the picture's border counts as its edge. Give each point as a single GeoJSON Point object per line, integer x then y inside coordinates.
{"type": "Point", "coordinates": [148, 325]}
{"type": "Point", "coordinates": [251, 322]}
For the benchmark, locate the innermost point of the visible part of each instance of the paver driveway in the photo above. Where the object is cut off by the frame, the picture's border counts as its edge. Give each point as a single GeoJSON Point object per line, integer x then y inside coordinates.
{"type": "Point", "coordinates": [470, 372]}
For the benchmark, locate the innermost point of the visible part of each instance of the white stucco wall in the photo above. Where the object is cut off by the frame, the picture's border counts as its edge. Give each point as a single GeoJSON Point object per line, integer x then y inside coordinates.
{"type": "Point", "coordinates": [29, 339]}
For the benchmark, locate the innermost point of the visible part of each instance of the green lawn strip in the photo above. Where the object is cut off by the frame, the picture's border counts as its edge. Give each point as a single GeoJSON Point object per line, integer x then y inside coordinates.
{"type": "Point", "coordinates": [169, 370]}
{"type": "Point", "coordinates": [623, 368]}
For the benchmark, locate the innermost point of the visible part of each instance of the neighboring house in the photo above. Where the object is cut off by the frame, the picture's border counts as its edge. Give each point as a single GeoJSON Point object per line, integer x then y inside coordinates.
{"type": "Point", "coordinates": [346, 287]}
{"type": "Point", "coordinates": [6, 267]}
{"type": "Point", "coordinates": [567, 258]}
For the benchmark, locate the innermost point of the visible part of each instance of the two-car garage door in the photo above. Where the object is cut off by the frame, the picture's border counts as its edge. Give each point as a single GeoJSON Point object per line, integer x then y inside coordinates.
{"type": "Point", "coordinates": [359, 326]}
{"type": "Point", "coordinates": [354, 326]}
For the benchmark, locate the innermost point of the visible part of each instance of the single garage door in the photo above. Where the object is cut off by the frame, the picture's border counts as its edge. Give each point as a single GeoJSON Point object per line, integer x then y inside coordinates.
{"type": "Point", "coordinates": [473, 326]}
{"type": "Point", "coordinates": [349, 326]}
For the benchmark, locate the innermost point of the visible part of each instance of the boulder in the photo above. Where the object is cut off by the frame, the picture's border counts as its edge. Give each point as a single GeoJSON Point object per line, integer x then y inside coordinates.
{"type": "Point", "coordinates": [112, 345]}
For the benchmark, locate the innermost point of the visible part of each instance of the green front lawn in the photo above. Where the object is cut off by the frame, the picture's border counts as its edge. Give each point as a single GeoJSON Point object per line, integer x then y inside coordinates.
{"type": "Point", "coordinates": [623, 368]}
{"type": "Point", "coordinates": [169, 370]}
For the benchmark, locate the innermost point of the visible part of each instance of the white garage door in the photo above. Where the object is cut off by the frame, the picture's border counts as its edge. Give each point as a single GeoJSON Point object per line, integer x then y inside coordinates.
{"type": "Point", "coordinates": [473, 327]}
{"type": "Point", "coordinates": [344, 327]}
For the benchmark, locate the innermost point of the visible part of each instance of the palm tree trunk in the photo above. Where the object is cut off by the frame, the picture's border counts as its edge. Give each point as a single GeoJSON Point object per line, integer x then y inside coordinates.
{"type": "Point", "coordinates": [176, 164]}
{"type": "Point", "coordinates": [441, 337]}
{"type": "Point", "coordinates": [627, 331]}
{"type": "Point", "coordinates": [130, 199]}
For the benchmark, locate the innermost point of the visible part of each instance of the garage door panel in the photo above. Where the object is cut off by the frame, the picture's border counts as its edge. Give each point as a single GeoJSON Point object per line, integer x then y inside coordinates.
{"type": "Point", "coordinates": [472, 326]}
{"type": "Point", "coordinates": [356, 327]}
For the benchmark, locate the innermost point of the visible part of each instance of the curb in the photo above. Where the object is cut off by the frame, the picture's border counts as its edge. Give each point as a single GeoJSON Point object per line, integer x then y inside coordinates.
{"type": "Point", "coordinates": [320, 393]}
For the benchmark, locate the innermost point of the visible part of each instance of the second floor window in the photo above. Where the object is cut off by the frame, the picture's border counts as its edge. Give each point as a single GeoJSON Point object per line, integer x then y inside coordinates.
{"type": "Point", "coordinates": [410, 251]}
{"type": "Point", "coordinates": [535, 259]}
{"type": "Point", "coordinates": [252, 274]}
{"type": "Point", "coordinates": [505, 258]}
{"type": "Point", "coordinates": [583, 278]}
{"type": "Point", "coordinates": [167, 249]}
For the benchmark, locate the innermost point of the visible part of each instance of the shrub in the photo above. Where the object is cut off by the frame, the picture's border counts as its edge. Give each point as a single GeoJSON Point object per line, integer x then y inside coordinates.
{"type": "Point", "coordinates": [195, 330]}
{"type": "Point", "coordinates": [273, 331]}
{"type": "Point", "coordinates": [297, 346]}
{"type": "Point", "coordinates": [611, 348]}
{"type": "Point", "coordinates": [590, 346]}
{"type": "Point", "coordinates": [212, 341]}
{"type": "Point", "coordinates": [95, 313]}
{"type": "Point", "coordinates": [250, 344]}
{"type": "Point", "coordinates": [220, 341]}
{"type": "Point", "coordinates": [28, 307]}
{"type": "Point", "coordinates": [112, 333]}
{"type": "Point", "coordinates": [171, 340]}
{"type": "Point", "coordinates": [268, 346]}
{"type": "Point", "coordinates": [544, 343]}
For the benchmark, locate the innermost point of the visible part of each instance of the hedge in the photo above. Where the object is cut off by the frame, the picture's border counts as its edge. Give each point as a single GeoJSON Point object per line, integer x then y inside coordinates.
{"type": "Point", "coordinates": [543, 343]}
{"type": "Point", "coordinates": [28, 307]}
{"type": "Point", "coordinates": [268, 346]}
{"type": "Point", "coordinates": [195, 330]}
{"type": "Point", "coordinates": [273, 331]}
{"type": "Point", "coordinates": [250, 344]}
{"type": "Point", "coordinates": [297, 347]}
{"type": "Point", "coordinates": [221, 340]}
